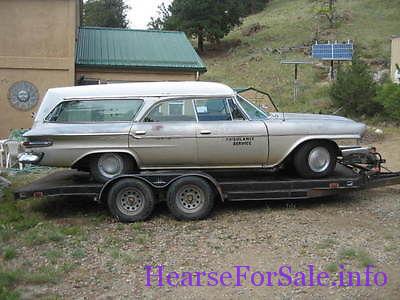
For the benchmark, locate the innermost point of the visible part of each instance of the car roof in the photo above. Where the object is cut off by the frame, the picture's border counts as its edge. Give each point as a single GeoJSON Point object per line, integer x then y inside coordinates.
{"type": "Point", "coordinates": [164, 89]}
{"type": "Point", "coordinates": [156, 89]}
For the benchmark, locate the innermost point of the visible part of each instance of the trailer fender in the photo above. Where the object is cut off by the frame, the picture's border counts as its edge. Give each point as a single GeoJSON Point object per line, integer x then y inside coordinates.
{"type": "Point", "coordinates": [161, 181]}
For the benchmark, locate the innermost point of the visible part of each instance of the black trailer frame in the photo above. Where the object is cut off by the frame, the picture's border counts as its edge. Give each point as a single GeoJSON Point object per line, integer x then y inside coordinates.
{"type": "Point", "coordinates": [229, 185]}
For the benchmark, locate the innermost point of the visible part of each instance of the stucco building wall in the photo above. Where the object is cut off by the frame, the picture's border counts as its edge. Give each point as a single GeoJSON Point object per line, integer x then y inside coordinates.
{"type": "Point", "coordinates": [37, 44]}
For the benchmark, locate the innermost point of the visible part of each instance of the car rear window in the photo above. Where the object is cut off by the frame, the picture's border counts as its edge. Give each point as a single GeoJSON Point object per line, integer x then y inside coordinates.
{"type": "Point", "coordinates": [80, 111]}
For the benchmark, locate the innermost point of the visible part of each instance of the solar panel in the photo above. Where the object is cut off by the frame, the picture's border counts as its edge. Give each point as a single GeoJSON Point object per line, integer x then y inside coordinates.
{"type": "Point", "coordinates": [333, 51]}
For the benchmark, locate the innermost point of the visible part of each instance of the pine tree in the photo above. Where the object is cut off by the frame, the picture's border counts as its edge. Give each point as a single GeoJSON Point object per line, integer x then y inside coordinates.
{"type": "Point", "coordinates": [205, 20]}
{"type": "Point", "coordinates": [355, 90]}
{"type": "Point", "coordinates": [105, 13]}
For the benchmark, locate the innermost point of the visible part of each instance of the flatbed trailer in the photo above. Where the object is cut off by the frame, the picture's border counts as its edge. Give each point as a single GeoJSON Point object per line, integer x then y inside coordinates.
{"type": "Point", "coordinates": [190, 194]}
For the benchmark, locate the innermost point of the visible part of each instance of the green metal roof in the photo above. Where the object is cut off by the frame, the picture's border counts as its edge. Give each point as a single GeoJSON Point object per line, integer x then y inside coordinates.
{"type": "Point", "coordinates": [136, 49]}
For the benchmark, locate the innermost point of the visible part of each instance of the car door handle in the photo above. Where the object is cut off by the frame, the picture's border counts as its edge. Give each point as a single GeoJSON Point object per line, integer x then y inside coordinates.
{"type": "Point", "coordinates": [140, 132]}
{"type": "Point", "coordinates": [205, 132]}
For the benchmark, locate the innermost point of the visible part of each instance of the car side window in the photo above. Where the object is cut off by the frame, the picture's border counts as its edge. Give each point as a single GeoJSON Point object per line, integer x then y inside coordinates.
{"type": "Point", "coordinates": [172, 111]}
{"type": "Point", "coordinates": [252, 111]}
{"type": "Point", "coordinates": [235, 110]}
{"type": "Point", "coordinates": [212, 110]}
{"type": "Point", "coordinates": [93, 111]}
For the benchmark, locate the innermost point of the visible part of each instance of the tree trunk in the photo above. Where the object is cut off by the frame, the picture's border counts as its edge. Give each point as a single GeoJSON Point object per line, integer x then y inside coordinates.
{"type": "Point", "coordinates": [331, 14]}
{"type": "Point", "coordinates": [200, 41]}
{"type": "Point", "coordinates": [80, 13]}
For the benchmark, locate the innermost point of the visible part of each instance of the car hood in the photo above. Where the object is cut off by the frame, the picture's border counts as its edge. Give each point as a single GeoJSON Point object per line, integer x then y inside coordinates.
{"type": "Point", "coordinates": [315, 117]}
{"type": "Point", "coordinates": [295, 124]}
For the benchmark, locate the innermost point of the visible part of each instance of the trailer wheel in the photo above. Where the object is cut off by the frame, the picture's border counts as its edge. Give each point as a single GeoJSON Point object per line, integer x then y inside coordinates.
{"type": "Point", "coordinates": [130, 200]}
{"type": "Point", "coordinates": [315, 159]}
{"type": "Point", "coordinates": [190, 198]}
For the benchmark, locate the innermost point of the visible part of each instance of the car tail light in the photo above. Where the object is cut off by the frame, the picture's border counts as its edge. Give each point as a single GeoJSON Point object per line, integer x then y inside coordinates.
{"type": "Point", "coordinates": [38, 194]}
{"type": "Point", "coordinates": [37, 144]}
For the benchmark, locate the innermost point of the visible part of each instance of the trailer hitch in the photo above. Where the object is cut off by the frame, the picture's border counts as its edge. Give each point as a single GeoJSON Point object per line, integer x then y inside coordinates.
{"type": "Point", "coordinates": [369, 162]}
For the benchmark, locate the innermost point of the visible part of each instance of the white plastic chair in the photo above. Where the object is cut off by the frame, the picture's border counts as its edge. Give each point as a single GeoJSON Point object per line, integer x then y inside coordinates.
{"type": "Point", "coordinates": [12, 150]}
{"type": "Point", "coordinates": [2, 153]}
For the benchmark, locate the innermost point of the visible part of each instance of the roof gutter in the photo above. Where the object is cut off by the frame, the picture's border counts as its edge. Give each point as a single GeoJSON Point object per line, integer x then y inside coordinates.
{"type": "Point", "coordinates": [155, 68]}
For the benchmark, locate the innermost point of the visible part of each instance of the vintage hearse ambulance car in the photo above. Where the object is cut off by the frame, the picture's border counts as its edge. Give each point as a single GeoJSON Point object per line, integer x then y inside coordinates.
{"type": "Point", "coordinates": [115, 129]}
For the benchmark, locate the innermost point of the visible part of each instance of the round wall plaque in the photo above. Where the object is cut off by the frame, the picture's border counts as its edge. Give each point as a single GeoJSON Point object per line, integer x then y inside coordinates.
{"type": "Point", "coordinates": [23, 95]}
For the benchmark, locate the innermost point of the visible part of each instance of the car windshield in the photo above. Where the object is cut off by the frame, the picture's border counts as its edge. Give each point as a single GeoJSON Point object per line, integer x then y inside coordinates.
{"type": "Point", "coordinates": [252, 111]}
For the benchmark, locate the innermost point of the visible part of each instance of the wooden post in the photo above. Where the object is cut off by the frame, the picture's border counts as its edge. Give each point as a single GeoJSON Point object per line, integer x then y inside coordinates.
{"type": "Point", "coordinates": [332, 71]}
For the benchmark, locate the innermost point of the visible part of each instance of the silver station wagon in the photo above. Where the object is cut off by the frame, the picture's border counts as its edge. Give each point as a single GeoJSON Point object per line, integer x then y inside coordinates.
{"type": "Point", "coordinates": [124, 128]}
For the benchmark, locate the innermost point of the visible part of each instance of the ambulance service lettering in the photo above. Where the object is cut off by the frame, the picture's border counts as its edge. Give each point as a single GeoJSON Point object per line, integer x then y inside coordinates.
{"type": "Point", "coordinates": [241, 140]}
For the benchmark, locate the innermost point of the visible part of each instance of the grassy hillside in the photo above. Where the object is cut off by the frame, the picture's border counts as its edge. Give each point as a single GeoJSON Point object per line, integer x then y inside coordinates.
{"type": "Point", "coordinates": [250, 60]}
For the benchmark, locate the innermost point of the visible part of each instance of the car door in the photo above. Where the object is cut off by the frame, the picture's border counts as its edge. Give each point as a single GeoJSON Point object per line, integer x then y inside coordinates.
{"type": "Point", "coordinates": [166, 136]}
{"type": "Point", "coordinates": [225, 138]}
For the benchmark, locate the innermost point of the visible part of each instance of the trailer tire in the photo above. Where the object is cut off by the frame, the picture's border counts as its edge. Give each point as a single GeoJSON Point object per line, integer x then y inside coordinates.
{"type": "Point", "coordinates": [130, 200]}
{"type": "Point", "coordinates": [190, 198]}
{"type": "Point", "coordinates": [315, 159]}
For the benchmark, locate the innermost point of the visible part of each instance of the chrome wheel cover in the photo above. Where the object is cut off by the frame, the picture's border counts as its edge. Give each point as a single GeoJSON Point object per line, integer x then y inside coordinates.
{"type": "Point", "coordinates": [110, 165]}
{"type": "Point", "coordinates": [130, 201]}
{"type": "Point", "coordinates": [190, 198]}
{"type": "Point", "coordinates": [319, 159]}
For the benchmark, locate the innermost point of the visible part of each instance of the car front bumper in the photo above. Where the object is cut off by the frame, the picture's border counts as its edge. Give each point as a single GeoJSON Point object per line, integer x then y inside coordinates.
{"type": "Point", "coordinates": [348, 151]}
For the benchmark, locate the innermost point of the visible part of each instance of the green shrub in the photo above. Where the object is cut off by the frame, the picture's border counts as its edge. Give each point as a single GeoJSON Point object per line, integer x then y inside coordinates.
{"type": "Point", "coordinates": [8, 280]}
{"type": "Point", "coordinates": [354, 90]}
{"type": "Point", "coordinates": [389, 96]}
{"type": "Point", "coordinates": [9, 253]}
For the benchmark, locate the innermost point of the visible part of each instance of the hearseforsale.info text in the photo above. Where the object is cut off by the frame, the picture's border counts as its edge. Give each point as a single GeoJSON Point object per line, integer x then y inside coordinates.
{"type": "Point", "coordinates": [285, 275]}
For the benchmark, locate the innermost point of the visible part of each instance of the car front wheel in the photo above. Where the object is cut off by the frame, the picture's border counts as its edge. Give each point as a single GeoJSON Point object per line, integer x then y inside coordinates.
{"type": "Point", "coordinates": [109, 165]}
{"type": "Point", "coordinates": [315, 159]}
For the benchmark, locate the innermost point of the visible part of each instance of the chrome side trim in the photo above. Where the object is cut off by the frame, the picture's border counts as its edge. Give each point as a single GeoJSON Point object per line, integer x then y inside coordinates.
{"type": "Point", "coordinates": [87, 134]}
{"type": "Point", "coordinates": [161, 137]}
{"type": "Point", "coordinates": [199, 136]}
{"type": "Point", "coordinates": [233, 135]}
{"type": "Point", "coordinates": [325, 137]}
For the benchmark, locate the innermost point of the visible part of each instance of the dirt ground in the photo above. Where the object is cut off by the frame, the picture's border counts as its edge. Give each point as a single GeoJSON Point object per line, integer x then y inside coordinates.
{"type": "Point", "coordinates": [96, 257]}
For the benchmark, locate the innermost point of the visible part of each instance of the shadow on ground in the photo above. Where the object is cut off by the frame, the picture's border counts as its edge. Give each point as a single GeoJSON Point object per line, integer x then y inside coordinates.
{"type": "Point", "coordinates": [69, 207]}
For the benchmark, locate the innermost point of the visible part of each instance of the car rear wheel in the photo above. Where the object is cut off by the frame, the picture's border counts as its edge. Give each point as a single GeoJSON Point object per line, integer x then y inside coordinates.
{"type": "Point", "coordinates": [131, 200]}
{"type": "Point", "coordinates": [315, 159]}
{"type": "Point", "coordinates": [190, 198]}
{"type": "Point", "coordinates": [109, 165]}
